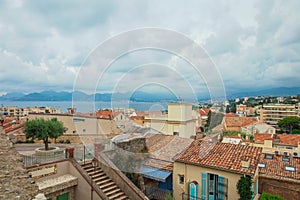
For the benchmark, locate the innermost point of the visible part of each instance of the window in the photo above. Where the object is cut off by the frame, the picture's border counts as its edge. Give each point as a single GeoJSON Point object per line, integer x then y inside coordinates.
{"type": "Point", "coordinates": [286, 159]}
{"type": "Point", "coordinates": [290, 168]}
{"type": "Point", "coordinates": [214, 187]}
{"type": "Point", "coordinates": [181, 179]}
{"type": "Point", "coordinates": [269, 157]}
{"type": "Point", "coordinates": [176, 133]}
{"type": "Point", "coordinates": [262, 165]}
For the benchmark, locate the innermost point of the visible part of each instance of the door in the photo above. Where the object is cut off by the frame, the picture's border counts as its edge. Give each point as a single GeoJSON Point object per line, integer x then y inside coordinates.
{"type": "Point", "coordinates": [63, 197]}
{"type": "Point", "coordinates": [193, 191]}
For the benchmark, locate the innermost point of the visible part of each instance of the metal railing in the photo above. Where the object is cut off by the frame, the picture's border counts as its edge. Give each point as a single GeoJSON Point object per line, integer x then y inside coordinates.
{"type": "Point", "coordinates": [34, 159]}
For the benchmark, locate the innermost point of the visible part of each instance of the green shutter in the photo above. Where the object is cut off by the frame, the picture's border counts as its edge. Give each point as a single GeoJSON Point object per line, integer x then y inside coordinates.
{"type": "Point", "coordinates": [221, 188]}
{"type": "Point", "coordinates": [203, 186]}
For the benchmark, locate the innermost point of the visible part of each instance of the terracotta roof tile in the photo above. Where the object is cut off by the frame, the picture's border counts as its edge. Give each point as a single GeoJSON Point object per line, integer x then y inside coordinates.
{"type": "Point", "coordinates": [104, 114]}
{"type": "Point", "coordinates": [235, 123]}
{"type": "Point", "coordinates": [203, 111]}
{"type": "Point", "coordinates": [275, 168]}
{"type": "Point", "coordinates": [286, 139]}
{"type": "Point", "coordinates": [222, 156]}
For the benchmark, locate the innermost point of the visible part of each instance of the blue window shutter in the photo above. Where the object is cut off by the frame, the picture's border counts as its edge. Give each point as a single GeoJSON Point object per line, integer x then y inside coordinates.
{"type": "Point", "coordinates": [257, 186]}
{"type": "Point", "coordinates": [221, 188]}
{"type": "Point", "coordinates": [203, 186]}
{"type": "Point", "coordinates": [252, 190]}
{"type": "Point", "coordinates": [193, 191]}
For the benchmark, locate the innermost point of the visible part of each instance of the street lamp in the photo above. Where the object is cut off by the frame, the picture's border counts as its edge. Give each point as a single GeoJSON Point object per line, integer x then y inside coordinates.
{"type": "Point", "coordinates": [94, 164]}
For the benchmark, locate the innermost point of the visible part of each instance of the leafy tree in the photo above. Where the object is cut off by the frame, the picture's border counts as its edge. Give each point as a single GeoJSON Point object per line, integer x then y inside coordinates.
{"type": "Point", "coordinates": [233, 108]}
{"type": "Point", "coordinates": [227, 109]}
{"type": "Point", "coordinates": [289, 123]}
{"type": "Point", "coordinates": [44, 129]}
{"type": "Point", "coordinates": [267, 196]}
{"type": "Point", "coordinates": [244, 188]}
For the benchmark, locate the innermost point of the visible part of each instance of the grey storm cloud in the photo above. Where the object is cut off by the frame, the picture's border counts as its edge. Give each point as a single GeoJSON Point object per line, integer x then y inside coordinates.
{"type": "Point", "coordinates": [254, 44]}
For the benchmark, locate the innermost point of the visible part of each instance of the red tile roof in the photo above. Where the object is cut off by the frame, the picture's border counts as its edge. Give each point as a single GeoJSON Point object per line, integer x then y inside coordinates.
{"type": "Point", "coordinates": [222, 156]}
{"type": "Point", "coordinates": [105, 114]}
{"type": "Point", "coordinates": [230, 115]}
{"type": "Point", "coordinates": [235, 123]}
{"type": "Point", "coordinates": [275, 168]}
{"type": "Point", "coordinates": [203, 111]}
{"type": "Point", "coordinates": [287, 139]}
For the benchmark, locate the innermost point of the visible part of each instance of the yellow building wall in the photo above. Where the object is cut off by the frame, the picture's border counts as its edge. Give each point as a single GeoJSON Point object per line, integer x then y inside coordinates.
{"type": "Point", "coordinates": [193, 173]}
{"type": "Point", "coordinates": [179, 112]}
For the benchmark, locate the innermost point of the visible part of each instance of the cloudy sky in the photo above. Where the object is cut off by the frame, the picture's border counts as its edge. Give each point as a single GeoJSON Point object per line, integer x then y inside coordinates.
{"type": "Point", "coordinates": [252, 44]}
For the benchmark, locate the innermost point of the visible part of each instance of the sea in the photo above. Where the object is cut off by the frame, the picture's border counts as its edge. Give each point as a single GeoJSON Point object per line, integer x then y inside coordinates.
{"type": "Point", "coordinates": [84, 106]}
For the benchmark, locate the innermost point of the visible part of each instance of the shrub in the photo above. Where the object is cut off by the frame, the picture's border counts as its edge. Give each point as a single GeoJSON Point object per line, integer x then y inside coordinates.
{"type": "Point", "coordinates": [267, 196]}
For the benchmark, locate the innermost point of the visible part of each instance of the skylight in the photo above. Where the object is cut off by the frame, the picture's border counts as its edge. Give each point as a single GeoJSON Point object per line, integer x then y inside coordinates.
{"type": "Point", "coordinates": [286, 159]}
{"type": "Point", "coordinates": [269, 156]}
{"type": "Point", "coordinates": [262, 165]}
{"type": "Point", "coordinates": [290, 168]}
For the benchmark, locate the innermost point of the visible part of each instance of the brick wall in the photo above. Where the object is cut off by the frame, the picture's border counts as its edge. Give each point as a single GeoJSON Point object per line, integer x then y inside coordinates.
{"type": "Point", "coordinates": [284, 188]}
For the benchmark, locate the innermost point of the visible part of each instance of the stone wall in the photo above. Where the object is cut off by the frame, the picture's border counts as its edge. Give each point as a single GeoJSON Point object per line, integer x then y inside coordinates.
{"type": "Point", "coordinates": [14, 179]}
{"type": "Point", "coordinates": [136, 145]}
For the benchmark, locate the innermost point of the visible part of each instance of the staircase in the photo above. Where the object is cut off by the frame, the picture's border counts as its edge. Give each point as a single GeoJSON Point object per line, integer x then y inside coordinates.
{"type": "Point", "coordinates": [108, 186]}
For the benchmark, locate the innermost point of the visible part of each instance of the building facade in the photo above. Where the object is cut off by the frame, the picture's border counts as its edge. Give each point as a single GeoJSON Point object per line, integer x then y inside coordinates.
{"type": "Point", "coordinates": [179, 121]}
{"type": "Point", "coordinates": [272, 113]}
{"type": "Point", "coordinates": [211, 171]}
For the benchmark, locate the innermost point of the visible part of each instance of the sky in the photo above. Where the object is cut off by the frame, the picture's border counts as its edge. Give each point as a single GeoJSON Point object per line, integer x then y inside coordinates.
{"type": "Point", "coordinates": [46, 45]}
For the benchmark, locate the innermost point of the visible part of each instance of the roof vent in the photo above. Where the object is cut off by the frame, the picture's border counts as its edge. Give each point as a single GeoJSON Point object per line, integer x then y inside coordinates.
{"type": "Point", "coordinates": [286, 154]}
{"type": "Point", "coordinates": [296, 154]}
{"type": "Point", "coordinates": [245, 164]}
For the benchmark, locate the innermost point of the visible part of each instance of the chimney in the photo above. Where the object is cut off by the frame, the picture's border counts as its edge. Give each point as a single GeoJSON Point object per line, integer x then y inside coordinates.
{"type": "Point", "coordinates": [246, 164]}
{"type": "Point", "coordinates": [261, 115]}
{"type": "Point", "coordinates": [268, 143]}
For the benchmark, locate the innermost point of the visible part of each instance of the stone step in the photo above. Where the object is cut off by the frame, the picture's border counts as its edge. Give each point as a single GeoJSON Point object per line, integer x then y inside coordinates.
{"type": "Point", "coordinates": [117, 195]}
{"type": "Point", "coordinates": [103, 186]}
{"type": "Point", "coordinates": [100, 178]}
{"type": "Point", "coordinates": [114, 186]}
{"type": "Point", "coordinates": [105, 181]}
{"type": "Point", "coordinates": [113, 192]}
{"type": "Point", "coordinates": [93, 173]}
{"type": "Point", "coordinates": [123, 197]}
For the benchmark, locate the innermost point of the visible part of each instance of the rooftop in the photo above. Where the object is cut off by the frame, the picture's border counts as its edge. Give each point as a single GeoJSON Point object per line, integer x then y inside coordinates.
{"type": "Point", "coordinates": [14, 178]}
{"type": "Point", "coordinates": [279, 169]}
{"type": "Point", "coordinates": [227, 157]}
{"type": "Point", "coordinates": [286, 139]}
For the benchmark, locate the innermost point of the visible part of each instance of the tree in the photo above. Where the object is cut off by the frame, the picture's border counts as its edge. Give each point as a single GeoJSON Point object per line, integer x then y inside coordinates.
{"type": "Point", "coordinates": [227, 109]}
{"type": "Point", "coordinates": [44, 129]}
{"type": "Point", "coordinates": [244, 188]}
{"type": "Point", "coordinates": [289, 123]}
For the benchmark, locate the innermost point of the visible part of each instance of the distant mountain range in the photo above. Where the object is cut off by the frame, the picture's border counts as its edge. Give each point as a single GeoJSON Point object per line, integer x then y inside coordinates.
{"type": "Point", "coordinates": [279, 91]}
{"type": "Point", "coordinates": [80, 96]}
{"type": "Point", "coordinates": [137, 96]}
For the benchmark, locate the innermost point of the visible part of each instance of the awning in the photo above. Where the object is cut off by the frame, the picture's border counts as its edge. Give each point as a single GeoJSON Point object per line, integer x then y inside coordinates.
{"type": "Point", "coordinates": [155, 174]}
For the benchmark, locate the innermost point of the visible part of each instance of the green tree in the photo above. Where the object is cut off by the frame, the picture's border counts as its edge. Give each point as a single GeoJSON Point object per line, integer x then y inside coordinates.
{"type": "Point", "coordinates": [289, 123]}
{"type": "Point", "coordinates": [233, 108]}
{"type": "Point", "coordinates": [227, 109]}
{"type": "Point", "coordinates": [44, 129]}
{"type": "Point", "coordinates": [244, 188]}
